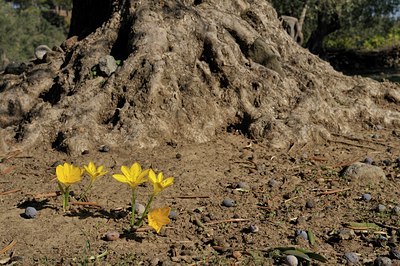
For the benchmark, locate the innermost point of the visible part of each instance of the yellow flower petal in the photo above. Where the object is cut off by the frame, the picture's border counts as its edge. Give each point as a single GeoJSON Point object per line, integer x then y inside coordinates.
{"type": "Point", "coordinates": [68, 174]}
{"type": "Point", "coordinates": [158, 183]}
{"type": "Point", "coordinates": [135, 169]}
{"type": "Point", "coordinates": [157, 218]}
{"type": "Point", "coordinates": [125, 171]}
{"type": "Point", "coordinates": [121, 178]}
{"type": "Point", "coordinates": [132, 176]}
{"type": "Point", "coordinates": [167, 182]}
{"type": "Point", "coordinates": [152, 176]}
{"type": "Point", "coordinates": [94, 172]}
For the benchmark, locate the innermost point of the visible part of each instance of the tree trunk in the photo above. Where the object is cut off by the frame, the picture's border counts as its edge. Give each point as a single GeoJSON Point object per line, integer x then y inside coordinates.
{"type": "Point", "coordinates": [186, 71]}
{"type": "Point", "coordinates": [326, 25]}
{"type": "Point", "coordinates": [88, 15]}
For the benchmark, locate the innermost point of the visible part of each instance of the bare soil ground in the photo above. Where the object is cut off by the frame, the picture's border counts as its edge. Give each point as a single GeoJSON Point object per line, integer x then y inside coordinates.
{"type": "Point", "coordinates": [296, 189]}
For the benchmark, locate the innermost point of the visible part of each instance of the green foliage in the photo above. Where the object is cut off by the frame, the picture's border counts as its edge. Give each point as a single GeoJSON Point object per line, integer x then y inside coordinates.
{"type": "Point", "coordinates": [21, 30]}
{"type": "Point", "coordinates": [366, 24]}
{"type": "Point", "coordinates": [373, 40]}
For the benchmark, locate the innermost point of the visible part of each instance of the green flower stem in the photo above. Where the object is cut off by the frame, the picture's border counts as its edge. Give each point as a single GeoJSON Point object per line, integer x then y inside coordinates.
{"type": "Point", "coordinates": [146, 210]}
{"type": "Point", "coordinates": [133, 207]}
{"type": "Point", "coordinates": [83, 194]}
{"type": "Point", "coordinates": [66, 199]}
{"type": "Point", "coordinates": [65, 194]}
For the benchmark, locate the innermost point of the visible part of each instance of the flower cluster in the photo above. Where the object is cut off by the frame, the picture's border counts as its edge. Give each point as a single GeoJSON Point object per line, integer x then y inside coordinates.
{"type": "Point", "coordinates": [68, 174]}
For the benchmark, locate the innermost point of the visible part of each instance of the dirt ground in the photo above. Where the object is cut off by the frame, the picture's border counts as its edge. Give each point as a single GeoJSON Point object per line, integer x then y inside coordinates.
{"type": "Point", "coordinates": [297, 189]}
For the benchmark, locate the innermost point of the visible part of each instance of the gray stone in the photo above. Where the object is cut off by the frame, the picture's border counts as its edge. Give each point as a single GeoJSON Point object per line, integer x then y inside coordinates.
{"type": "Point", "coordinates": [351, 258]}
{"type": "Point", "coordinates": [107, 65]}
{"type": "Point", "coordinates": [30, 212]}
{"type": "Point", "coordinates": [291, 260]}
{"type": "Point", "coordinates": [41, 51]}
{"type": "Point", "coordinates": [381, 208]}
{"type": "Point", "coordinates": [139, 208]}
{"type": "Point", "coordinates": [382, 261]}
{"type": "Point", "coordinates": [364, 174]}
{"type": "Point", "coordinates": [228, 203]}
{"type": "Point", "coordinates": [396, 210]}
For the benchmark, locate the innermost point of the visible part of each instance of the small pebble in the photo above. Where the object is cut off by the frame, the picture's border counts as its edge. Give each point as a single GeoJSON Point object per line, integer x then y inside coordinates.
{"type": "Point", "coordinates": [351, 258]}
{"type": "Point", "coordinates": [273, 183]}
{"type": "Point", "coordinates": [139, 208]}
{"type": "Point", "coordinates": [178, 156]}
{"type": "Point", "coordinates": [395, 253]}
{"type": "Point", "coordinates": [396, 210]}
{"type": "Point", "coordinates": [243, 185]}
{"type": "Point", "coordinates": [30, 212]}
{"type": "Point", "coordinates": [310, 203]}
{"type": "Point", "coordinates": [382, 261]}
{"type": "Point", "coordinates": [228, 203]}
{"type": "Point", "coordinates": [173, 215]}
{"type": "Point", "coordinates": [237, 254]}
{"type": "Point", "coordinates": [112, 236]}
{"type": "Point", "coordinates": [155, 262]}
{"type": "Point", "coordinates": [368, 160]}
{"type": "Point", "coordinates": [300, 220]}
{"type": "Point", "coordinates": [84, 152]}
{"type": "Point", "coordinates": [386, 162]}
{"type": "Point", "coordinates": [381, 208]}
{"type": "Point", "coordinates": [366, 197]}
{"type": "Point", "coordinates": [254, 228]}
{"type": "Point", "coordinates": [291, 260]}
{"type": "Point", "coordinates": [104, 148]}
{"type": "Point", "coordinates": [301, 233]}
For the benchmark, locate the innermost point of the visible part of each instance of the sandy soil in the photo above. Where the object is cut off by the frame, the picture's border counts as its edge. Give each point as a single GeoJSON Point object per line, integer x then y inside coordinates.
{"type": "Point", "coordinates": [297, 189]}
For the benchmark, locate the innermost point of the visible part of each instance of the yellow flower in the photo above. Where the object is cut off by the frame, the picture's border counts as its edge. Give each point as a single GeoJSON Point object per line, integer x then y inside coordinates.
{"type": "Point", "coordinates": [68, 174]}
{"type": "Point", "coordinates": [93, 171]}
{"type": "Point", "coordinates": [157, 218]}
{"type": "Point", "coordinates": [159, 183]}
{"type": "Point", "coordinates": [133, 176]}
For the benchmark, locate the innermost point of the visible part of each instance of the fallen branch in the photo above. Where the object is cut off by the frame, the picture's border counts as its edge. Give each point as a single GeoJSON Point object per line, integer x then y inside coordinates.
{"type": "Point", "coordinates": [9, 192]}
{"type": "Point", "coordinates": [7, 170]}
{"type": "Point", "coordinates": [47, 195]}
{"type": "Point", "coordinates": [8, 247]}
{"type": "Point", "coordinates": [333, 191]}
{"type": "Point", "coordinates": [237, 220]}
{"type": "Point", "coordinates": [190, 197]}
{"type": "Point", "coordinates": [317, 158]}
{"type": "Point", "coordinates": [353, 144]}
{"type": "Point", "coordinates": [360, 140]}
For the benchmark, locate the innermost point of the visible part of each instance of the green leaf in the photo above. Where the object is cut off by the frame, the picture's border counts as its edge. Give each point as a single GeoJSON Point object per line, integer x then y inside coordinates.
{"type": "Point", "coordinates": [363, 226]}
{"type": "Point", "coordinates": [311, 237]}
{"type": "Point", "coordinates": [298, 254]}
{"type": "Point", "coordinates": [316, 256]}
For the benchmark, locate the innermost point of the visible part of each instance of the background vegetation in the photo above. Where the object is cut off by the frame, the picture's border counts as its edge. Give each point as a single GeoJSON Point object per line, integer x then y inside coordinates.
{"type": "Point", "coordinates": [25, 24]}
{"type": "Point", "coordinates": [329, 24]}
{"type": "Point", "coordinates": [345, 24]}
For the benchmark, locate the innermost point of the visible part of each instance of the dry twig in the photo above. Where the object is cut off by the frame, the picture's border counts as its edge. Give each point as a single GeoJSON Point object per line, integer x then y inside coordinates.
{"type": "Point", "coordinates": [8, 247]}
{"type": "Point", "coordinates": [333, 191]}
{"type": "Point", "coordinates": [9, 192]}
